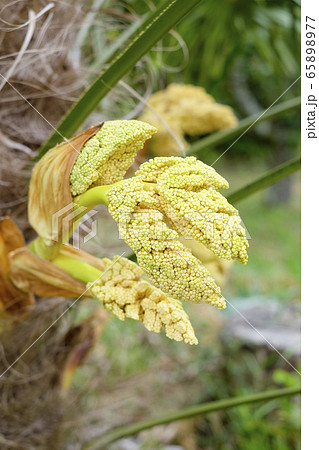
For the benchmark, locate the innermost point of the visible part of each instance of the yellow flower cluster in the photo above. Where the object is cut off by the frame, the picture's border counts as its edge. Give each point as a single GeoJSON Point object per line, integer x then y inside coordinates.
{"type": "Point", "coordinates": [122, 291]}
{"type": "Point", "coordinates": [217, 267]}
{"type": "Point", "coordinates": [168, 198]}
{"type": "Point", "coordinates": [105, 157]}
{"type": "Point", "coordinates": [188, 196]}
{"type": "Point", "coordinates": [188, 110]}
{"type": "Point", "coordinates": [168, 263]}
{"type": "Point", "coordinates": [122, 198]}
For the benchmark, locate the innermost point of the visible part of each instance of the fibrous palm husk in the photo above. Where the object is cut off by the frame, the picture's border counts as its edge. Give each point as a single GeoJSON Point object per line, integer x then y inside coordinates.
{"type": "Point", "coordinates": [37, 92]}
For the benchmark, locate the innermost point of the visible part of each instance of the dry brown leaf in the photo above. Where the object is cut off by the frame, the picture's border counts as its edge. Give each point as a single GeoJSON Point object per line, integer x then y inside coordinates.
{"type": "Point", "coordinates": [31, 273]}
{"type": "Point", "coordinates": [82, 340]}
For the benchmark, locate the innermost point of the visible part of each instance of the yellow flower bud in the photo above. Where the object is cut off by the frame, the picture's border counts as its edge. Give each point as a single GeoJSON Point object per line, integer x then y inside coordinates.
{"type": "Point", "coordinates": [106, 157]}
{"type": "Point", "coordinates": [170, 266]}
{"type": "Point", "coordinates": [217, 267]}
{"type": "Point", "coordinates": [188, 110]}
{"type": "Point", "coordinates": [122, 291]}
{"type": "Point", "coordinates": [100, 155]}
{"type": "Point", "coordinates": [184, 192]}
{"type": "Point", "coordinates": [188, 196]}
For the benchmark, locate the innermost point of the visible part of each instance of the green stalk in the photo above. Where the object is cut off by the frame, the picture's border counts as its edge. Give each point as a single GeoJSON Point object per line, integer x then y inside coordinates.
{"type": "Point", "coordinates": [98, 196]}
{"type": "Point", "coordinates": [271, 177]}
{"type": "Point", "coordinates": [187, 413]}
{"type": "Point", "coordinates": [152, 29]}
{"type": "Point", "coordinates": [93, 197]}
{"type": "Point", "coordinates": [221, 136]}
{"type": "Point", "coordinates": [73, 266]}
{"type": "Point", "coordinates": [78, 269]}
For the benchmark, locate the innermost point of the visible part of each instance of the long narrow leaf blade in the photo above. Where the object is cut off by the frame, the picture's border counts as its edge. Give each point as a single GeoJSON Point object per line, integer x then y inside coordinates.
{"type": "Point", "coordinates": [271, 177]}
{"type": "Point", "coordinates": [143, 39]}
{"type": "Point", "coordinates": [244, 125]}
{"type": "Point", "coordinates": [186, 413]}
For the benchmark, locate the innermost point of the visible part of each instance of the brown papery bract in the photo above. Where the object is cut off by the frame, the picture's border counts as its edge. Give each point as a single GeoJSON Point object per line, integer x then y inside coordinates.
{"type": "Point", "coordinates": [49, 192]}
{"type": "Point", "coordinates": [31, 273]}
{"type": "Point", "coordinates": [12, 300]}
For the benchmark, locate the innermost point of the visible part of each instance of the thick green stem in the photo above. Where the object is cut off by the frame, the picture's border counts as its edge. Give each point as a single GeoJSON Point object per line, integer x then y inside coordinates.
{"type": "Point", "coordinates": [187, 413]}
{"type": "Point", "coordinates": [92, 197]}
{"type": "Point", "coordinates": [152, 29]}
{"type": "Point", "coordinates": [282, 171]}
{"type": "Point", "coordinates": [78, 269]}
{"type": "Point", "coordinates": [98, 196]}
{"type": "Point", "coordinates": [222, 136]}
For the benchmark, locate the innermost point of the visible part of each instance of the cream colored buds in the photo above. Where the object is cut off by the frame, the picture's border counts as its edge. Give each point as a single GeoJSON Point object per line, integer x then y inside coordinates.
{"type": "Point", "coordinates": [217, 267]}
{"type": "Point", "coordinates": [122, 291]}
{"type": "Point", "coordinates": [100, 155]}
{"type": "Point", "coordinates": [188, 110]}
{"type": "Point", "coordinates": [170, 266]}
{"type": "Point", "coordinates": [106, 157]}
{"type": "Point", "coordinates": [183, 192]}
{"type": "Point", "coordinates": [188, 196]}
{"type": "Point", "coordinates": [168, 198]}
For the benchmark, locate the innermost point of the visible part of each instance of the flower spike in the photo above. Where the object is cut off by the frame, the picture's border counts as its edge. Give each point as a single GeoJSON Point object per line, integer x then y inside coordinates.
{"type": "Point", "coordinates": [189, 110]}
{"type": "Point", "coordinates": [189, 197]}
{"type": "Point", "coordinates": [167, 262]}
{"type": "Point", "coordinates": [122, 291]}
{"type": "Point", "coordinates": [106, 157]}
{"type": "Point", "coordinates": [100, 155]}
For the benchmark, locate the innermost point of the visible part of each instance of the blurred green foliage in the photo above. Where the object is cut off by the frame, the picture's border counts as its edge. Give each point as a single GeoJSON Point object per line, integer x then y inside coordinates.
{"type": "Point", "coordinates": [246, 54]}
{"type": "Point", "coordinates": [262, 35]}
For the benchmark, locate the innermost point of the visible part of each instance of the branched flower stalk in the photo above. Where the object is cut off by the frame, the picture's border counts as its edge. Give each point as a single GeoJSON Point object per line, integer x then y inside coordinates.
{"type": "Point", "coordinates": [168, 198]}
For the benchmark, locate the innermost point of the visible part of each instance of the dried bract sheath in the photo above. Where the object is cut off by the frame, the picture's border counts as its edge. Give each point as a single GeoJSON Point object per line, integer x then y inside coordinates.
{"type": "Point", "coordinates": [100, 155]}
{"type": "Point", "coordinates": [50, 207]}
{"type": "Point", "coordinates": [30, 273]}
{"type": "Point", "coordinates": [12, 300]}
